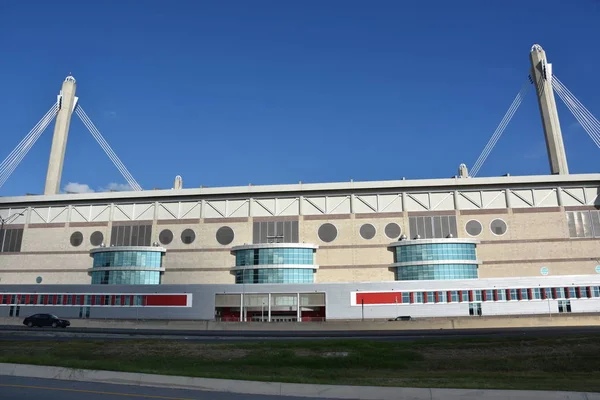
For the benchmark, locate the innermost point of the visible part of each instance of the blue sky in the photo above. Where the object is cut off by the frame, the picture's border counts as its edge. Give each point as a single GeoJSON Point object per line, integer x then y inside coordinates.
{"type": "Point", "coordinates": [266, 92]}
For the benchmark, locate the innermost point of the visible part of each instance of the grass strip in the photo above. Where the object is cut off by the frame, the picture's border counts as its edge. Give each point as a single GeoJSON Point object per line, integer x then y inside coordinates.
{"type": "Point", "coordinates": [548, 363]}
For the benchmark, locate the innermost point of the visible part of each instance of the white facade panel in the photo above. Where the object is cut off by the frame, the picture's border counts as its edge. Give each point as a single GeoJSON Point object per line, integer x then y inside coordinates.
{"type": "Point", "coordinates": [123, 212]}
{"type": "Point", "coordinates": [338, 205]}
{"type": "Point", "coordinates": [442, 201]}
{"type": "Point", "coordinates": [214, 209]}
{"type": "Point", "coordinates": [238, 208]}
{"type": "Point", "coordinates": [390, 202]}
{"type": "Point", "coordinates": [143, 211]}
{"type": "Point", "coordinates": [314, 206]}
{"type": "Point", "coordinates": [58, 214]}
{"type": "Point", "coordinates": [288, 206]}
{"type": "Point", "coordinates": [39, 215]}
{"type": "Point", "coordinates": [521, 198]}
{"type": "Point", "coordinates": [573, 196]}
{"type": "Point", "coordinates": [417, 202]}
{"type": "Point", "coordinates": [365, 204]}
{"type": "Point", "coordinates": [545, 198]}
{"type": "Point", "coordinates": [168, 210]}
{"type": "Point", "coordinates": [189, 210]}
{"type": "Point", "coordinates": [493, 199]}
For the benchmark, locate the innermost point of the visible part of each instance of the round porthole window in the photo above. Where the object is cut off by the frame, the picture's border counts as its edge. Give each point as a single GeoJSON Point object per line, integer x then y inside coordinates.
{"type": "Point", "coordinates": [188, 236]}
{"type": "Point", "coordinates": [225, 235]}
{"type": "Point", "coordinates": [392, 230]}
{"type": "Point", "coordinates": [96, 238]}
{"type": "Point", "coordinates": [38, 279]}
{"type": "Point", "coordinates": [76, 239]}
{"type": "Point", "coordinates": [498, 227]}
{"type": "Point", "coordinates": [474, 227]}
{"type": "Point", "coordinates": [367, 231]}
{"type": "Point", "coordinates": [165, 236]}
{"type": "Point", "coordinates": [327, 232]}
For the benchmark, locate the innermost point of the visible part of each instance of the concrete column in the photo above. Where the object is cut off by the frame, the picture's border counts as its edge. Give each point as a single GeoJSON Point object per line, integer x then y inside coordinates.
{"type": "Point", "coordinates": [269, 309]}
{"type": "Point", "coordinates": [541, 74]}
{"type": "Point", "coordinates": [298, 309]}
{"type": "Point", "coordinates": [61, 132]}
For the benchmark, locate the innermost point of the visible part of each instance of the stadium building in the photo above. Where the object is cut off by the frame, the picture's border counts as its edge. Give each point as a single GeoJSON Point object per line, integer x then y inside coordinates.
{"type": "Point", "coordinates": [306, 252]}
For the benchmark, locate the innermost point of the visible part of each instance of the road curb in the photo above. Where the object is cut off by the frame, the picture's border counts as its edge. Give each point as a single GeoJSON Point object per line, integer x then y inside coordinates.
{"type": "Point", "coordinates": [281, 389]}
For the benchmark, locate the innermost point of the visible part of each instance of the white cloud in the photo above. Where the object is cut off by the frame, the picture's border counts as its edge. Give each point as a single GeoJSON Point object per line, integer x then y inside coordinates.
{"type": "Point", "coordinates": [74, 187]}
{"type": "Point", "coordinates": [116, 187]}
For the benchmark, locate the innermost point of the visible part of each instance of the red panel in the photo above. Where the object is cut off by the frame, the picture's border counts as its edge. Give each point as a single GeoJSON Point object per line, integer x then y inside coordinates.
{"type": "Point", "coordinates": [379, 298]}
{"type": "Point", "coordinates": [166, 300]}
{"type": "Point", "coordinates": [27, 299]}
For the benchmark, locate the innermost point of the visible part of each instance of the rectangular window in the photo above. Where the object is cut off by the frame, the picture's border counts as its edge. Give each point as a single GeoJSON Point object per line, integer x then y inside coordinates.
{"type": "Point", "coordinates": [477, 295]}
{"type": "Point", "coordinates": [595, 291]}
{"type": "Point", "coordinates": [465, 295]}
{"type": "Point", "coordinates": [131, 235]}
{"type": "Point", "coordinates": [524, 294]}
{"type": "Point", "coordinates": [514, 295]}
{"type": "Point", "coordinates": [489, 295]}
{"type": "Point", "coordinates": [454, 296]}
{"type": "Point", "coordinates": [418, 297]}
{"type": "Point", "coordinates": [580, 223]}
{"type": "Point", "coordinates": [275, 232]}
{"type": "Point", "coordinates": [536, 293]}
{"type": "Point", "coordinates": [501, 294]}
{"type": "Point", "coordinates": [572, 292]}
{"type": "Point", "coordinates": [431, 297]}
{"type": "Point", "coordinates": [564, 306]}
{"type": "Point", "coordinates": [32, 298]}
{"type": "Point", "coordinates": [430, 227]}
{"type": "Point", "coordinates": [442, 297]}
{"type": "Point", "coordinates": [583, 292]}
{"type": "Point", "coordinates": [405, 298]}
{"type": "Point", "coordinates": [10, 240]}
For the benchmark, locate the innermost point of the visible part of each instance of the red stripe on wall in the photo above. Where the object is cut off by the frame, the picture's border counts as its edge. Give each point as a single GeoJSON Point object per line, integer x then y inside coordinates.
{"type": "Point", "coordinates": [379, 298]}
{"type": "Point", "coordinates": [166, 300]}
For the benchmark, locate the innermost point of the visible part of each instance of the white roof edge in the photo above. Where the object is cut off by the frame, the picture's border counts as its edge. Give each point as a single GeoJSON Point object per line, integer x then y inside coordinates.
{"type": "Point", "coordinates": [425, 184]}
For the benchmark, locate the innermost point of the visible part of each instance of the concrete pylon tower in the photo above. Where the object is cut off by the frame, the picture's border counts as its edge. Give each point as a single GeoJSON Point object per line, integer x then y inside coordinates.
{"type": "Point", "coordinates": [541, 73]}
{"type": "Point", "coordinates": [66, 104]}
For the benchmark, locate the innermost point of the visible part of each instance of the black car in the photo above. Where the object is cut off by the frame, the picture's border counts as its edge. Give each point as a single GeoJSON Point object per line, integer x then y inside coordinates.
{"type": "Point", "coordinates": [45, 320]}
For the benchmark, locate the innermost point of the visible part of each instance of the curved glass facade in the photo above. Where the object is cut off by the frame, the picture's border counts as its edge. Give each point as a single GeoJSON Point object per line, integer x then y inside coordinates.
{"type": "Point", "coordinates": [128, 259]}
{"type": "Point", "coordinates": [436, 272]}
{"type": "Point", "coordinates": [274, 263]}
{"type": "Point", "coordinates": [435, 252]}
{"type": "Point", "coordinates": [274, 256]}
{"type": "Point", "coordinates": [274, 275]}
{"type": "Point", "coordinates": [436, 259]}
{"type": "Point", "coordinates": [125, 277]}
{"type": "Point", "coordinates": [126, 267]}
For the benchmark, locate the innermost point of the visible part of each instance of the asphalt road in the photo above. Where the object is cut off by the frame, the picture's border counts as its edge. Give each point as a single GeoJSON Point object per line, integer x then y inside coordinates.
{"type": "Point", "coordinates": [11, 332]}
{"type": "Point", "coordinates": [17, 388]}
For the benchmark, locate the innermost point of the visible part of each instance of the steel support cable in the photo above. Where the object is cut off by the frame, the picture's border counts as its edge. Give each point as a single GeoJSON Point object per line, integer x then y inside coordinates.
{"type": "Point", "coordinates": [591, 128]}
{"type": "Point", "coordinates": [25, 140]}
{"type": "Point", "coordinates": [587, 120]}
{"type": "Point", "coordinates": [587, 116]}
{"type": "Point", "coordinates": [90, 128]}
{"type": "Point", "coordinates": [556, 81]}
{"type": "Point", "coordinates": [107, 149]}
{"type": "Point", "coordinates": [89, 125]}
{"type": "Point", "coordinates": [500, 129]}
{"type": "Point", "coordinates": [18, 156]}
{"type": "Point", "coordinates": [594, 135]}
{"type": "Point", "coordinates": [7, 172]}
